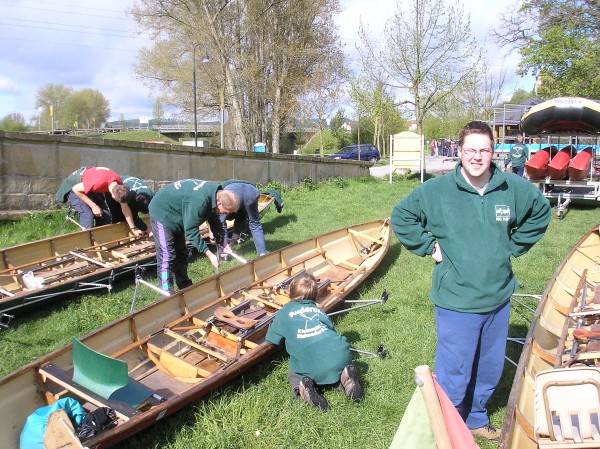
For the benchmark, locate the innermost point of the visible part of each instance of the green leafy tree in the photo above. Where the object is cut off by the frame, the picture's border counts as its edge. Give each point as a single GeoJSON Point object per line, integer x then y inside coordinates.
{"type": "Point", "coordinates": [13, 122]}
{"type": "Point", "coordinates": [337, 123]}
{"type": "Point", "coordinates": [86, 107]}
{"type": "Point", "coordinates": [559, 42]}
{"type": "Point", "coordinates": [52, 98]}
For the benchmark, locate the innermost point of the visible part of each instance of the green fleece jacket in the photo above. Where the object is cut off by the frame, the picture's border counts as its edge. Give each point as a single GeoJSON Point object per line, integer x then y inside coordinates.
{"type": "Point", "coordinates": [316, 350]}
{"type": "Point", "coordinates": [477, 235]}
{"type": "Point", "coordinates": [184, 205]}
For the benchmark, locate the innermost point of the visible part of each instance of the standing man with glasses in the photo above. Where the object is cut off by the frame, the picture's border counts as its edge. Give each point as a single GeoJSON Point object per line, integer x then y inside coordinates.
{"type": "Point", "coordinates": [471, 221]}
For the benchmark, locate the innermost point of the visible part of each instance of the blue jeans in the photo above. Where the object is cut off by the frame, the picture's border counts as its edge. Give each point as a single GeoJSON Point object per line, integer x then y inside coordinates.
{"type": "Point", "coordinates": [469, 358]}
{"type": "Point", "coordinates": [248, 195]}
{"type": "Point", "coordinates": [518, 171]}
{"type": "Point", "coordinates": [171, 257]}
{"type": "Point", "coordinates": [87, 219]}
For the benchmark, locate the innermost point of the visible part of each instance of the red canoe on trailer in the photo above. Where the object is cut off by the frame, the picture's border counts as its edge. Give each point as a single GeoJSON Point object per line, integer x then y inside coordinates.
{"type": "Point", "coordinates": [537, 166]}
{"type": "Point", "coordinates": [558, 166]}
{"type": "Point", "coordinates": [581, 164]}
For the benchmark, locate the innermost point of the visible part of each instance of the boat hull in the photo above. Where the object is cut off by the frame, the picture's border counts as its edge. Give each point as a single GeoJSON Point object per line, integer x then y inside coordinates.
{"type": "Point", "coordinates": [564, 115]}
{"type": "Point", "coordinates": [558, 166]}
{"type": "Point", "coordinates": [180, 349]}
{"type": "Point", "coordinates": [581, 164]}
{"type": "Point", "coordinates": [66, 263]}
{"type": "Point", "coordinates": [537, 166]}
{"type": "Point", "coordinates": [549, 342]}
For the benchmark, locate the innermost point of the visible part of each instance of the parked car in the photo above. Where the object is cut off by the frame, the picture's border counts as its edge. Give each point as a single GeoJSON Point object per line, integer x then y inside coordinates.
{"type": "Point", "coordinates": [368, 152]}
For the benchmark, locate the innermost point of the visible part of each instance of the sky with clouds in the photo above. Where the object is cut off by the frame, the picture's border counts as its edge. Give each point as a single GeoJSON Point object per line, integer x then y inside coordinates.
{"type": "Point", "coordinates": [92, 44]}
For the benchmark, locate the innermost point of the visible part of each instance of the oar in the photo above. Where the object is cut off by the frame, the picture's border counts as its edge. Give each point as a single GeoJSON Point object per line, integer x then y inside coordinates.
{"type": "Point", "coordinates": [139, 271]}
{"type": "Point", "coordinates": [236, 257]}
{"type": "Point", "coordinates": [365, 303]}
{"type": "Point", "coordinates": [232, 254]}
{"type": "Point", "coordinates": [380, 354]}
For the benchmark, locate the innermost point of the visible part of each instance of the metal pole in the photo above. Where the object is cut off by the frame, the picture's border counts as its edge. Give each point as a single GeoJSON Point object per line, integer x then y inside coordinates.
{"type": "Point", "coordinates": [222, 118]}
{"type": "Point", "coordinates": [195, 105]}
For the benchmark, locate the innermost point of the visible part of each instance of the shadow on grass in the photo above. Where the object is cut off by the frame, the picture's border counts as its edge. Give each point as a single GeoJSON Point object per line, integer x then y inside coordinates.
{"type": "Point", "coordinates": [280, 221]}
{"type": "Point", "coordinates": [499, 399]}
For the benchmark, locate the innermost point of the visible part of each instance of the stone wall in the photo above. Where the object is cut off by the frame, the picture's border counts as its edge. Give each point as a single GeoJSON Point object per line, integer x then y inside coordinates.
{"type": "Point", "coordinates": [32, 166]}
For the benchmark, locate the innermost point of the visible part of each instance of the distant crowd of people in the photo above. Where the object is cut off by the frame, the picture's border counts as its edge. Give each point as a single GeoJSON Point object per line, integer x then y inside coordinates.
{"type": "Point", "coordinates": [444, 148]}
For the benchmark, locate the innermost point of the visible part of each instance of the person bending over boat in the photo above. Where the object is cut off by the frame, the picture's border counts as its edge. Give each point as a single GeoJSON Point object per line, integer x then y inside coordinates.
{"type": "Point", "coordinates": [248, 195]}
{"type": "Point", "coordinates": [138, 200]}
{"type": "Point", "coordinates": [471, 221]}
{"type": "Point", "coordinates": [176, 212]}
{"type": "Point", "coordinates": [518, 155]}
{"type": "Point", "coordinates": [84, 190]}
{"type": "Point", "coordinates": [318, 354]}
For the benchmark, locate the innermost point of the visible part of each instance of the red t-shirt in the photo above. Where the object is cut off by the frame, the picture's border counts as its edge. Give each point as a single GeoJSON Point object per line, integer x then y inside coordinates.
{"type": "Point", "coordinates": [97, 179]}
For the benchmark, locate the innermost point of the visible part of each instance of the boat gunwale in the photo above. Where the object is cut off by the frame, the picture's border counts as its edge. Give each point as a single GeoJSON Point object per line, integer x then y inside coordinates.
{"type": "Point", "coordinates": [511, 408]}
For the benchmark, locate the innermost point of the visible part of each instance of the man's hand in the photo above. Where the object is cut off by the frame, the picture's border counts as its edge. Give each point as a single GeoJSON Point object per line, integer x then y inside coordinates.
{"type": "Point", "coordinates": [96, 210]}
{"type": "Point", "coordinates": [437, 253]}
{"type": "Point", "coordinates": [138, 232]}
{"type": "Point", "coordinates": [213, 259]}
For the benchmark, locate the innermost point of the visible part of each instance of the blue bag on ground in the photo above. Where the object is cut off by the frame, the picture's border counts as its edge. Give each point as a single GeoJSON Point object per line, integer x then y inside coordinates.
{"type": "Point", "coordinates": [32, 435]}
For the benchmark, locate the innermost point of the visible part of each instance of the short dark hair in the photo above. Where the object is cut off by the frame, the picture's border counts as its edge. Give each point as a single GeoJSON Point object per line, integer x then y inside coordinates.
{"type": "Point", "coordinates": [475, 127]}
{"type": "Point", "coordinates": [141, 201]}
{"type": "Point", "coordinates": [120, 193]}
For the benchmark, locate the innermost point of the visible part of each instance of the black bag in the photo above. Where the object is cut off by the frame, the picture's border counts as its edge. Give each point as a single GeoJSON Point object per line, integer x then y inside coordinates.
{"type": "Point", "coordinates": [95, 422]}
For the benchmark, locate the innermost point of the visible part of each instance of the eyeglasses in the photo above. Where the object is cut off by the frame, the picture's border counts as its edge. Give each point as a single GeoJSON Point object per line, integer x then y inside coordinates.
{"type": "Point", "coordinates": [482, 152]}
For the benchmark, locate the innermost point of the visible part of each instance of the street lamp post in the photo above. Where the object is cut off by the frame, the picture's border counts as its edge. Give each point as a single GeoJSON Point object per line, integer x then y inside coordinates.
{"type": "Point", "coordinates": [222, 114]}
{"type": "Point", "coordinates": [206, 59]}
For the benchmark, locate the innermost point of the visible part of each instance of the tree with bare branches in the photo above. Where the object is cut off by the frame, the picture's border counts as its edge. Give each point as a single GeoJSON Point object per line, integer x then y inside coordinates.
{"type": "Point", "coordinates": [261, 54]}
{"type": "Point", "coordinates": [428, 53]}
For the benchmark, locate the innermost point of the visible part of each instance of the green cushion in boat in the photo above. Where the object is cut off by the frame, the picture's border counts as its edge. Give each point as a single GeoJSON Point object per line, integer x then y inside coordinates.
{"type": "Point", "coordinates": [106, 376]}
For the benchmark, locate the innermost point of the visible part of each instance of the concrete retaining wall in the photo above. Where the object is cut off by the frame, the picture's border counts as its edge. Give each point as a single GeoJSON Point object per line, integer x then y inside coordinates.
{"type": "Point", "coordinates": [32, 166]}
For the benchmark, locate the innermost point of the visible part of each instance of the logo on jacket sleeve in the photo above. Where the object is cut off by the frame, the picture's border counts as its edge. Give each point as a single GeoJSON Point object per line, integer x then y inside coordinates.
{"type": "Point", "coordinates": [502, 213]}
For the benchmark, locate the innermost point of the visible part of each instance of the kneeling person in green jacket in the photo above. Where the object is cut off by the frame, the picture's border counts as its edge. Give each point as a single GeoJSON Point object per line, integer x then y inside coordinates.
{"type": "Point", "coordinates": [318, 354]}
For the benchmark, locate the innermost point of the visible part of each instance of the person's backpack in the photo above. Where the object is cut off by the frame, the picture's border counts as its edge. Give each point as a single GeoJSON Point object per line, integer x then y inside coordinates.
{"type": "Point", "coordinates": [95, 422]}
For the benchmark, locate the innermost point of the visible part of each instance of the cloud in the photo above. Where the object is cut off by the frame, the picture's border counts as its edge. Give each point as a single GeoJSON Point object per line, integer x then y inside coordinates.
{"type": "Point", "coordinates": [92, 45]}
{"type": "Point", "coordinates": [8, 86]}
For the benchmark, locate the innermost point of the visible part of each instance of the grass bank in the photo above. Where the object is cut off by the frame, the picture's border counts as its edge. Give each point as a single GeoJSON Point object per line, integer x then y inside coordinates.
{"type": "Point", "coordinates": [260, 400]}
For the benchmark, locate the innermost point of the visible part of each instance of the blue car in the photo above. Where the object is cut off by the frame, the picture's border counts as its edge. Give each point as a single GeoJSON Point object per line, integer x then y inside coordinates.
{"type": "Point", "coordinates": [368, 152]}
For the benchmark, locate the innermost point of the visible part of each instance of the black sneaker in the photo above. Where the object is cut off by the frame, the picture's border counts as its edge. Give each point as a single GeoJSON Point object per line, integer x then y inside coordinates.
{"type": "Point", "coordinates": [309, 394]}
{"type": "Point", "coordinates": [350, 382]}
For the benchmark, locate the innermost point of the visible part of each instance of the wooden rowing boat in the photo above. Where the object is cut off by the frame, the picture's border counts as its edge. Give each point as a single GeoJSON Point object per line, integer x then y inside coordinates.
{"type": "Point", "coordinates": [38, 272]}
{"type": "Point", "coordinates": [565, 115]}
{"type": "Point", "coordinates": [537, 166]}
{"type": "Point", "coordinates": [558, 166]}
{"type": "Point", "coordinates": [581, 164]}
{"type": "Point", "coordinates": [181, 347]}
{"type": "Point", "coordinates": [560, 360]}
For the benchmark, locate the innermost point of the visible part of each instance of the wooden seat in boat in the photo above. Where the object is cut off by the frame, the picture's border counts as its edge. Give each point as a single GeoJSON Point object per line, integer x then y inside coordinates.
{"type": "Point", "coordinates": [567, 408]}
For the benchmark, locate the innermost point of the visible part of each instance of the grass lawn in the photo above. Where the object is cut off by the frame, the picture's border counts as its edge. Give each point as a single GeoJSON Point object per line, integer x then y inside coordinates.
{"type": "Point", "coordinates": [257, 410]}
